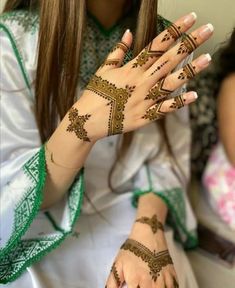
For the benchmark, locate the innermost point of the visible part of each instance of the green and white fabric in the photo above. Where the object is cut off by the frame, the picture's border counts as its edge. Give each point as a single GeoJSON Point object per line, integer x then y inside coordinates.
{"type": "Point", "coordinates": [26, 233]}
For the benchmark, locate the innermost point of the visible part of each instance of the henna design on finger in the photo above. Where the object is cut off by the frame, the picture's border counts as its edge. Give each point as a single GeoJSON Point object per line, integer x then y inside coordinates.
{"type": "Point", "coordinates": [158, 93]}
{"type": "Point", "coordinates": [176, 285]}
{"type": "Point", "coordinates": [156, 261]}
{"type": "Point", "coordinates": [172, 32]}
{"type": "Point", "coordinates": [144, 56]}
{"type": "Point", "coordinates": [120, 45]}
{"type": "Point", "coordinates": [115, 275]}
{"type": "Point", "coordinates": [77, 124]}
{"type": "Point", "coordinates": [187, 45]}
{"type": "Point", "coordinates": [154, 113]}
{"type": "Point", "coordinates": [188, 72]}
{"type": "Point", "coordinates": [159, 67]}
{"type": "Point", "coordinates": [117, 98]}
{"type": "Point", "coordinates": [178, 102]}
{"type": "Point", "coordinates": [152, 222]}
{"type": "Point", "coordinates": [110, 62]}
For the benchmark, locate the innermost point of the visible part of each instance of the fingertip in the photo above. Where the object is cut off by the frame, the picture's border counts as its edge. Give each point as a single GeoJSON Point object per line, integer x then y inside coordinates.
{"type": "Point", "coordinates": [191, 96]}
{"type": "Point", "coordinates": [127, 37]}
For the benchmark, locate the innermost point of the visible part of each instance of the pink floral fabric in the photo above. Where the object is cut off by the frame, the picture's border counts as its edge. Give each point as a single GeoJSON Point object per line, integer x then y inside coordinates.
{"type": "Point", "coordinates": [219, 180]}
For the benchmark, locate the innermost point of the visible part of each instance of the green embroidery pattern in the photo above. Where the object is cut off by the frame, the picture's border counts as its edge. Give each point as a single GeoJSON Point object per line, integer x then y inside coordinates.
{"type": "Point", "coordinates": [26, 252]}
{"type": "Point", "coordinates": [27, 209]}
{"type": "Point", "coordinates": [28, 20]}
{"type": "Point", "coordinates": [20, 254]}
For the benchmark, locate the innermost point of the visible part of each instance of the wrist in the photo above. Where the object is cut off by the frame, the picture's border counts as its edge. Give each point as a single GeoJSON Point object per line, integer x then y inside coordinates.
{"type": "Point", "coordinates": [144, 234]}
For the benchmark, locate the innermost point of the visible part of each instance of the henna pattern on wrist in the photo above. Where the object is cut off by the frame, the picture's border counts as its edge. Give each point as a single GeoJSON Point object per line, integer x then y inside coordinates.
{"type": "Point", "coordinates": [144, 56]}
{"type": "Point", "coordinates": [188, 72]}
{"type": "Point", "coordinates": [77, 124]}
{"type": "Point", "coordinates": [156, 261]}
{"type": "Point", "coordinates": [152, 222]}
{"type": "Point", "coordinates": [172, 32]}
{"type": "Point", "coordinates": [178, 102]}
{"type": "Point", "coordinates": [187, 45]}
{"type": "Point", "coordinates": [115, 275]}
{"type": "Point", "coordinates": [122, 46]}
{"type": "Point", "coordinates": [158, 93]}
{"type": "Point", "coordinates": [154, 113]}
{"type": "Point", "coordinates": [117, 98]}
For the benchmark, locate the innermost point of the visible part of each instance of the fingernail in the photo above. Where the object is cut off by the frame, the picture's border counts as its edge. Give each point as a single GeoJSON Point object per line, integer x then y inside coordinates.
{"type": "Point", "coordinates": [204, 60]}
{"type": "Point", "coordinates": [192, 96]}
{"type": "Point", "coordinates": [126, 32]}
{"type": "Point", "coordinates": [206, 31]}
{"type": "Point", "coordinates": [190, 18]}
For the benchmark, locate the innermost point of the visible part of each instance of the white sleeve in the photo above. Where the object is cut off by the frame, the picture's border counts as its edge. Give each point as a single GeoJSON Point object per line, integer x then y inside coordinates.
{"type": "Point", "coordinates": [26, 233]}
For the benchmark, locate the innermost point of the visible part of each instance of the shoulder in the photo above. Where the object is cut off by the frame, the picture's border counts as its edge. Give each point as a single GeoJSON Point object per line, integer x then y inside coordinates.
{"type": "Point", "coordinates": [19, 37]}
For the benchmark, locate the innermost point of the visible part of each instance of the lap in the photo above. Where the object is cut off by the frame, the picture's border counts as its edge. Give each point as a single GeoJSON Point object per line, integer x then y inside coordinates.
{"type": "Point", "coordinates": [85, 261]}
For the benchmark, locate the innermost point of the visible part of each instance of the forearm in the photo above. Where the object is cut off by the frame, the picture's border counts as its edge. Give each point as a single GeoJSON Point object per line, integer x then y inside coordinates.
{"type": "Point", "coordinates": [150, 204]}
{"type": "Point", "coordinates": [65, 156]}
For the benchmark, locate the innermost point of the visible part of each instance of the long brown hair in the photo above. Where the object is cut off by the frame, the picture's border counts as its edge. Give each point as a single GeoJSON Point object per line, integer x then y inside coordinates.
{"type": "Point", "coordinates": [61, 30]}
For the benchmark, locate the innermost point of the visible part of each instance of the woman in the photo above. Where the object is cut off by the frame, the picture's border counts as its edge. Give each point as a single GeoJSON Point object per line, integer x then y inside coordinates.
{"type": "Point", "coordinates": [219, 175]}
{"type": "Point", "coordinates": [59, 126]}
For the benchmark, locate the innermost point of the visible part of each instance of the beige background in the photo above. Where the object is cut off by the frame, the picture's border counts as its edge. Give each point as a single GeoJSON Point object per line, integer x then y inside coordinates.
{"type": "Point", "coordinates": [221, 13]}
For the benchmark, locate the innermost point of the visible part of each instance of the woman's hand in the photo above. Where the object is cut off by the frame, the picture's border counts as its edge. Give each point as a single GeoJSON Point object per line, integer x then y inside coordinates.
{"type": "Point", "coordinates": [119, 98]}
{"type": "Point", "coordinates": [143, 260]}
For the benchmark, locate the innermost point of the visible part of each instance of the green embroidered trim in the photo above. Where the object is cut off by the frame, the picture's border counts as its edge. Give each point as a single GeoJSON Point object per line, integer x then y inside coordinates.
{"type": "Point", "coordinates": [191, 241]}
{"type": "Point", "coordinates": [27, 252]}
{"type": "Point", "coordinates": [77, 187]}
{"type": "Point", "coordinates": [28, 20]}
{"type": "Point", "coordinates": [27, 209]}
{"type": "Point", "coordinates": [53, 222]}
{"type": "Point", "coordinates": [17, 54]}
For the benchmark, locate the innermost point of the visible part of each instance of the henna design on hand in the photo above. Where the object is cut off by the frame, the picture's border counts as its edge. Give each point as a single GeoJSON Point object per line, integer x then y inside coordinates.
{"type": "Point", "coordinates": [178, 102]}
{"type": "Point", "coordinates": [122, 46]}
{"type": "Point", "coordinates": [152, 222]}
{"type": "Point", "coordinates": [188, 72]}
{"type": "Point", "coordinates": [110, 62]}
{"type": "Point", "coordinates": [187, 45]}
{"type": "Point", "coordinates": [117, 98]}
{"type": "Point", "coordinates": [172, 32]}
{"type": "Point", "coordinates": [158, 93]}
{"type": "Point", "coordinates": [159, 67]}
{"type": "Point", "coordinates": [77, 124]}
{"type": "Point", "coordinates": [154, 113]}
{"type": "Point", "coordinates": [115, 275]}
{"type": "Point", "coordinates": [144, 56]}
{"type": "Point", "coordinates": [156, 261]}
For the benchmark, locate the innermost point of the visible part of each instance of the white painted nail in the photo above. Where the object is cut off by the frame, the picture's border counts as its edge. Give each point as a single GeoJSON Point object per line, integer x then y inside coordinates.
{"type": "Point", "coordinates": [195, 95]}
{"type": "Point", "coordinates": [194, 15]}
{"type": "Point", "coordinates": [190, 18]}
{"type": "Point", "coordinates": [127, 31]}
{"type": "Point", "coordinates": [208, 56]}
{"type": "Point", "coordinates": [210, 26]}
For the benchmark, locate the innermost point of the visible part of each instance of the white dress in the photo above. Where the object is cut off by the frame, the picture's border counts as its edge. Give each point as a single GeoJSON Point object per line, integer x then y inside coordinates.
{"type": "Point", "coordinates": [82, 244]}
